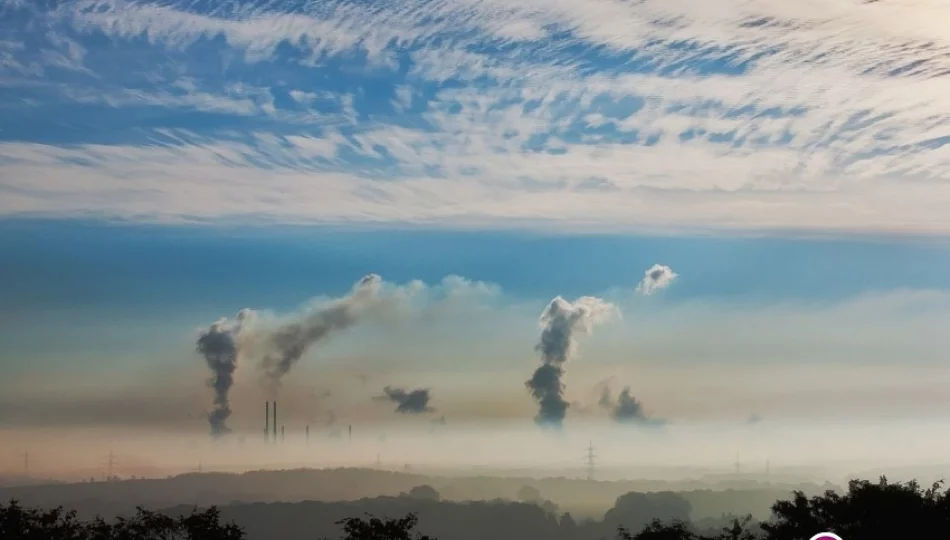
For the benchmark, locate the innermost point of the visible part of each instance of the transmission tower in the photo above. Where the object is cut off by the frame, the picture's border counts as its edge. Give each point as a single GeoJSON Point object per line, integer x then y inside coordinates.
{"type": "Point", "coordinates": [590, 461]}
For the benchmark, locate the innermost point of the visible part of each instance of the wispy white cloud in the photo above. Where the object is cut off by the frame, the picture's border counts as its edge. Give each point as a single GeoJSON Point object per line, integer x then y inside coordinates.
{"type": "Point", "coordinates": [290, 183]}
{"type": "Point", "coordinates": [729, 114]}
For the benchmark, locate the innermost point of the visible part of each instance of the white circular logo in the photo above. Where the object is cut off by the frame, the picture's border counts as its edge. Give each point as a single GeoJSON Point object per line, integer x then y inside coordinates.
{"type": "Point", "coordinates": [826, 536]}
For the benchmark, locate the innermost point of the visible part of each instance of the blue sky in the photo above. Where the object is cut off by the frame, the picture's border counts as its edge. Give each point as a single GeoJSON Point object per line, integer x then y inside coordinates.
{"type": "Point", "coordinates": [630, 116]}
{"type": "Point", "coordinates": [164, 163]}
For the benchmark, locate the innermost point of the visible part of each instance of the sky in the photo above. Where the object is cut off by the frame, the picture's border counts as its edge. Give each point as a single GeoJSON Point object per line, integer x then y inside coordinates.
{"type": "Point", "coordinates": [164, 164]}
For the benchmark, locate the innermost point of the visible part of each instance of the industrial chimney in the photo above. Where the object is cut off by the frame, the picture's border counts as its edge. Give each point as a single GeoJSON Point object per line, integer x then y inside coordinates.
{"type": "Point", "coordinates": [274, 422]}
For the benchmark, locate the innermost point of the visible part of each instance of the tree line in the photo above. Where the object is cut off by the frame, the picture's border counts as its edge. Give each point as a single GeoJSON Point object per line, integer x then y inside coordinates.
{"type": "Point", "coordinates": [866, 511]}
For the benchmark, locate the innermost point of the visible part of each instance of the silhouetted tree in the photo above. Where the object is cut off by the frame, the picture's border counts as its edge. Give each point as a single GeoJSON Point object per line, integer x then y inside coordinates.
{"type": "Point", "coordinates": [738, 530]}
{"type": "Point", "coordinates": [867, 511]}
{"type": "Point", "coordinates": [657, 530]}
{"type": "Point", "coordinates": [18, 523]}
{"type": "Point", "coordinates": [375, 528]}
{"type": "Point", "coordinates": [635, 511]}
{"type": "Point", "coordinates": [528, 494]}
{"type": "Point", "coordinates": [425, 492]}
{"type": "Point", "coordinates": [549, 507]}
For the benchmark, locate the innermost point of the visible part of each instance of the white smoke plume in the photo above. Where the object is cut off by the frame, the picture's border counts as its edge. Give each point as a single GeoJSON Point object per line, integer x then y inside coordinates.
{"type": "Point", "coordinates": [658, 277]}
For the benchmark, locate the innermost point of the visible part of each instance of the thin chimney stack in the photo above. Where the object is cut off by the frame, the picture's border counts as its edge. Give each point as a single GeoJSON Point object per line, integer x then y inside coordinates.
{"type": "Point", "coordinates": [274, 422]}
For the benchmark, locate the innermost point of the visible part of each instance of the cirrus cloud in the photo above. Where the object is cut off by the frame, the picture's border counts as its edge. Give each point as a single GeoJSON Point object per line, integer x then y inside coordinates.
{"type": "Point", "coordinates": [730, 115]}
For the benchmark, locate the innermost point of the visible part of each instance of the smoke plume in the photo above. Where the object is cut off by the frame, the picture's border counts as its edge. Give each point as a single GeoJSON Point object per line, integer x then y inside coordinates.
{"type": "Point", "coordinates": [219, 345]}
{"type": "Point", "coordinates": [626, 409]}
{"type": "Point", "coordinates": [560, 322]}
{"type": "Point", "coordinates": [289, 342]}
{"type": "Point", "coordinates": [658, 277]}
{"type": "Point", "coordinates": [606, 400]}
{"type": "Point", "coordinates": [408, 402]}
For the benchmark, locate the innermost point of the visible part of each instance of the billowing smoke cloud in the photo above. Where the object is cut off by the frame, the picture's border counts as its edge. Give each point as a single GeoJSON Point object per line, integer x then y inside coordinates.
{"type": "Point", "coordinates": [626, 409]}
{"type": "Point", "coordinates": [279, 349]}
{"type": "Point", "coordinates": [546, 387]}
{"type": "Point", "coordinates": [291, 341]}
{"type": "Point", "coordinates": [408, 402]}
{"type": "Point", "coordinates": [220, 347]}
{"type": "Point", "coordinates": [658, 277]}
{"type": "Point", "coordinates": [560, 322]}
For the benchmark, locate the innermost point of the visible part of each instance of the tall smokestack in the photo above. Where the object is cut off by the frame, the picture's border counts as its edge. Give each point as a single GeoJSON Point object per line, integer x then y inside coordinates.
{"type": "Point", "coordinates": [307, 434]}
{"type": "Point", "coordinates": [351, 432]}
{"type": "Point", "coordinates": [274, 422]}
{"type": "Point", "coordinates": [281, 433]}
{"type": "Point", "coordinates": [267, 419]}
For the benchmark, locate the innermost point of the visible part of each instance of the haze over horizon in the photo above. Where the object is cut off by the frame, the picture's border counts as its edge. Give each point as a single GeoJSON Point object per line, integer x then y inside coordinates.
{"type": "Point", "coordinates": [686, 230]}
